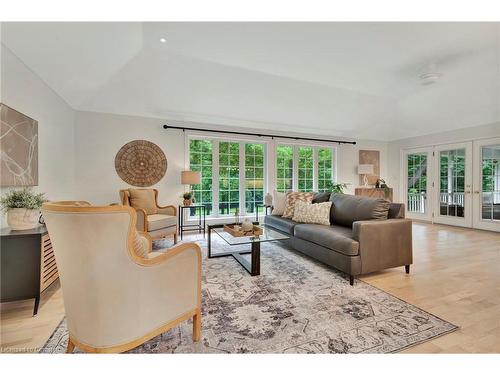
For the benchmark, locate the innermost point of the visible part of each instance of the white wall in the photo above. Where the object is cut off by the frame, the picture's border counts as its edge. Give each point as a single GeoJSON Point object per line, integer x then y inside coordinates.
{"type": "Point", "coordinates": [466, 134]}
{"type": "Point", "coordinates": [99, 137]}
{"type": "Point", "coordinates": [24, 91]}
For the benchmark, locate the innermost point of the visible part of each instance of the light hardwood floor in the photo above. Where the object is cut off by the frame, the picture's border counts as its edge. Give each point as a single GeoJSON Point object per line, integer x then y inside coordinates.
{"type": "Point", "coordinates": [455, 275]}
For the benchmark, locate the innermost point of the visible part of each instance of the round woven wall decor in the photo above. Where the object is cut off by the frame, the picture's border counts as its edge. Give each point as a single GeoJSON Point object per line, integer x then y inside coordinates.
{"type": "Point", "coordinates": [141, 163]}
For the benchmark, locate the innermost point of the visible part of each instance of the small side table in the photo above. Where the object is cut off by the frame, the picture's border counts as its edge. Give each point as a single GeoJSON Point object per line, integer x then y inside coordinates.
{"type": "Point", "coordinates": [201, 210]}
{"type": "Point", "coordinates": [265, 210]}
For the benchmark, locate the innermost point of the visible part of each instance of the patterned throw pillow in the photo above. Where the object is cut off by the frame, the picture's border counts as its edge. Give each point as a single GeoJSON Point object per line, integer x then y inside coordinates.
{"type": "Point", "coordinates": [317, 213]}
{"type": "Point", "coordinates": [293, 197]}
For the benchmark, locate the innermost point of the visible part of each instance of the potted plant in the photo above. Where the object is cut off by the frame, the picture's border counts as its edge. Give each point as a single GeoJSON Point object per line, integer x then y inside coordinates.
{"type": "Point", "coordinates": [188, 198]}
{"type": "Point", "coordinates": [334, 187]}
{"type": "Point", "coordinates": [23, 208]}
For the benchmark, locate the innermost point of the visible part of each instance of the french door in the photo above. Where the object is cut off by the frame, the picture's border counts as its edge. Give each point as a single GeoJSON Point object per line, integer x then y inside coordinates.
{"type": "Point", "coordinates": [452, 184]}
{"type": "Point", "coordinates": [417, 186]}
{"type": "Point", "coordinates": [486, 187]}
{"type": "Point", "coordinates": [455, 184]}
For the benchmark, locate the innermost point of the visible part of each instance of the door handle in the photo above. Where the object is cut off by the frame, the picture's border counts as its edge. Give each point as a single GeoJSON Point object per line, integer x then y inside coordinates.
{"type": "Point", "coordinates": [477, 192]}
{"type": "Point", "coordinates": [467, 192]}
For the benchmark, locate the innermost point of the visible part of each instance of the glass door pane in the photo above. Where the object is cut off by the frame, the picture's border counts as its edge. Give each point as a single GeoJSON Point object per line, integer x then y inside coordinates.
{"type": "Point", "coordinates": [417, 182]}
{"type": "Point", "coordinates": [490, 183]}
{"type": "Point", "coordinates": [452, 182]}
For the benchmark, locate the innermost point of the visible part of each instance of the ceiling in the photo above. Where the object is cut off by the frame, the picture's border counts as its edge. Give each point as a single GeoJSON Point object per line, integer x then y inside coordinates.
{"type": "Point", "coordinates": [355, 80]}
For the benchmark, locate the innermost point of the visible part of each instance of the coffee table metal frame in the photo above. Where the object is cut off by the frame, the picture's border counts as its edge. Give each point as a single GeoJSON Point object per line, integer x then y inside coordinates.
{"type": "Point", "coordinates": [252, 266]}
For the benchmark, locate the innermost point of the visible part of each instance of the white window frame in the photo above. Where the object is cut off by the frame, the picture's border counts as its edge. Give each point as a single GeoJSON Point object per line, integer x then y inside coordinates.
{"type": "Point", "coordinates": [270, 176]}
{"type": "Point", "coordinates": [315, 146]}
{"type": "Point", "coordinates": [215, 167]}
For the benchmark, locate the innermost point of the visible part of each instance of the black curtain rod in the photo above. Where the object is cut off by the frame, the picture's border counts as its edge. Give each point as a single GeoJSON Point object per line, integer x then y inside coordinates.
{"type": "Point", "coordinates": [260, 135]}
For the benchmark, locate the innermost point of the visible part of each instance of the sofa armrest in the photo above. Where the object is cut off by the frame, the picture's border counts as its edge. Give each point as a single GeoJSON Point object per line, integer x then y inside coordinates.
{"type": "Point", "coordinates": [383, 243]}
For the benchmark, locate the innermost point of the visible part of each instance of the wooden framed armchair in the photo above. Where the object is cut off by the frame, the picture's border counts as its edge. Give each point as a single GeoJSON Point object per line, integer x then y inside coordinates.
{"type": "Point", "coordinates": [117, 293]}
{"type": "Point", "coordinates": [158, 221]}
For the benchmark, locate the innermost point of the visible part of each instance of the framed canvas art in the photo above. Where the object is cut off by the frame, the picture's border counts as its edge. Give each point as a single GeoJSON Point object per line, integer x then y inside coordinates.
{"type": "Point", "coordinates": [18, 148]}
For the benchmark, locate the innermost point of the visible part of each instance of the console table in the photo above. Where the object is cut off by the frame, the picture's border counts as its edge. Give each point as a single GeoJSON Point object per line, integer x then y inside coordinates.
{"type": "Point", "coordinates": [27, 264]}
{"type": "Point", "coordinates": [374, 192]}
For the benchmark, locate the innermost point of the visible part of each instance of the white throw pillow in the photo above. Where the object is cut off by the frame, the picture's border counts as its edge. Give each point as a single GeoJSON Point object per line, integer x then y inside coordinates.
{"type": "Point", "coordinates": [312, 213]}
{"type": "Point", "coordinates": [279, 200]}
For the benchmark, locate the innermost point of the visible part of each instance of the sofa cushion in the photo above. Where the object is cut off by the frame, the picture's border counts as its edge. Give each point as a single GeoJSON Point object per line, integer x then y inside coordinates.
{"type": "Point", "coordinates": [293, 197]}
{"type": "Point", "coordinates": [312, 213]}
{"type": "Point", "coordinates": [145, 199]}
{"type": "Point", "coordinates": [279, 201]}
{"type": "Point", "coordinates": [280, 223]}
{"type": "Point", "coordinates": [332, 237]}
{"type": "Point", "coordinates": [160, 221]}
{"type": "Point", "coordinates": [321, 197]}
{"type": "Point", "coordinates": [346, 209]}
{"type": "Point", "coordinates": [396, 211]}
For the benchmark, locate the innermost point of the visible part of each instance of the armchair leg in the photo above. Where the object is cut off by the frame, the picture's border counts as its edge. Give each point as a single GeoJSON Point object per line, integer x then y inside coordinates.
{"type": "Point", "coordinates": [70, 347]}
{"type": "Point", "coordinates": [351, 280]}
{"type": "Point", "coordinates": [407, 268]}
{"type": "Point", "coordinates": [197, 326]}
{"type": "Point", "coordinates": [175, 238]}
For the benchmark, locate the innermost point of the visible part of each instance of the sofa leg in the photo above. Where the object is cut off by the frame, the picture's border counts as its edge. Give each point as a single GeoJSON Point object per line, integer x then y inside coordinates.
{"type": "Point", "coordinates": [407, 268]}
{"type": "Point", "coordinates": [175, 238]}
{"type": "Point", "coordinates": [351, 280]}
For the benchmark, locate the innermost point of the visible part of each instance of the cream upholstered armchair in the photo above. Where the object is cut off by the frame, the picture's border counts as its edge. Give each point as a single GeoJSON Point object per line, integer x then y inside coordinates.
{"type": "Point", "coordinates": [158, 221]}
{"type": "Point", "coordinates": [117, 293]}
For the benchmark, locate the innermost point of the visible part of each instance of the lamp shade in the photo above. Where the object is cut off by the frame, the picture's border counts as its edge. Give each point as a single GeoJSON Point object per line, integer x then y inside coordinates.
{"type": "Point", "coordinates": [365, 169]}
{"type": "Point", "coordinates": [190, 178]}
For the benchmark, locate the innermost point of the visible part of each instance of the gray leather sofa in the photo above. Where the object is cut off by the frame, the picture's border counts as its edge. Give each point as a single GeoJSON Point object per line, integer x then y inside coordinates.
{"type": "Point", "coordinates": [365, 235]}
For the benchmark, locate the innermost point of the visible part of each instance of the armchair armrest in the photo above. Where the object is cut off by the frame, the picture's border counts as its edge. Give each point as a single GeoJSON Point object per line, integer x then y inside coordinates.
{"type": "Point", "coordinates": [167, 210]}
{"type": "Point", "coordinates": [169, 286]}
{"type": "Point", "coordinates": [384, 243]}
{"type": "Point", "coordinates": [148, 241]}
{"type": "Point", "coordinates": [142, 220]}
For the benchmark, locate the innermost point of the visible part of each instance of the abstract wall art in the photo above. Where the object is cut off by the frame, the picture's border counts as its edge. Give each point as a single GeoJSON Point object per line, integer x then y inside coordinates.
{"type": "Point", "coordinates": [370, 157]}
{"type": "Point", "coordinates": [18, 148]}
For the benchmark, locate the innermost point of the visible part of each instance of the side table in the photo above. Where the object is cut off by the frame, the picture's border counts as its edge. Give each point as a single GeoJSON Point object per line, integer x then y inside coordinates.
{"type": "Point", "coordinates": [201, 210]}
{"type": "Point", "coordinates": [266, 207]}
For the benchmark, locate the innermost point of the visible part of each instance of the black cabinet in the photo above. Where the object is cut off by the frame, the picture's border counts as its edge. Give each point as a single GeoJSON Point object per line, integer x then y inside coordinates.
{"type": "Point", "coordinates": [28, 265]}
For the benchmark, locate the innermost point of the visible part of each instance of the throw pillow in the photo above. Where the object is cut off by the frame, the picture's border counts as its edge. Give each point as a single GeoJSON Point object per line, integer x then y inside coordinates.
{"type": "Point", "coordinates": [279, 200]}
{"type": "Point", "coordinates": [312, 213]}
{"type": "Point", "coordinates": [293, 197]}
{"type": "Point", "coordinates": [145, 199]}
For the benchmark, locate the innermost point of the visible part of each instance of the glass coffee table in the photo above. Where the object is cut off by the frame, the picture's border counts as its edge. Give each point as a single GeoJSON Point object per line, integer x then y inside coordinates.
{"type": "Point", "coordinates": [252, 266]}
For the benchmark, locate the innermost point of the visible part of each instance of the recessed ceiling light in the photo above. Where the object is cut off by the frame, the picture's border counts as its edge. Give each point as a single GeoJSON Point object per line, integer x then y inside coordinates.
{"type": "Point", "coordinates": [163, 40]}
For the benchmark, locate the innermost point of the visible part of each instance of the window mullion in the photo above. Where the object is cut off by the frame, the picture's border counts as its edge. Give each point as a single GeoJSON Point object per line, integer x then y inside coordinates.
{"type": "Point", "coordinates": [215, 177]}
{"type": "Point", "coordinates": [315, 168]}
{"type": "Point", "coordinates": [295, 174]}
{"type": "Point", "coordinates": [242, 178]}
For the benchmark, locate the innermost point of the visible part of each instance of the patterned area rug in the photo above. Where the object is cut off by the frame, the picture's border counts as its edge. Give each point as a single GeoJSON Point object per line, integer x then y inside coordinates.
{"type": "Point", "coordinates": [296, 305]}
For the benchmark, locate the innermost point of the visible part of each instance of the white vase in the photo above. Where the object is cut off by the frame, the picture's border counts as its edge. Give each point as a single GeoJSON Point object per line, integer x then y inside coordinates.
{"type": "Point", "coordinates": [247, 225]}
{"type": "Point", "coordinates": [22, 218]}
{"type": "Point", "coordinates": [268, 200]}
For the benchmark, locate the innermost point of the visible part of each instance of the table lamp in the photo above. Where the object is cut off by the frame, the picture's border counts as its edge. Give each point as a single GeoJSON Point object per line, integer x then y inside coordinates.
{"type": "Point", "coordinates": [190, 178]}
{"type": "Point", "coordinates": [365, 170]}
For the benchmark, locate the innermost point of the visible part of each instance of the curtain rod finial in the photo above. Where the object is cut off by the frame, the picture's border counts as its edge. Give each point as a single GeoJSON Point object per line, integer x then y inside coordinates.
{"type": "Point", "coordinates": [165, 126]}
